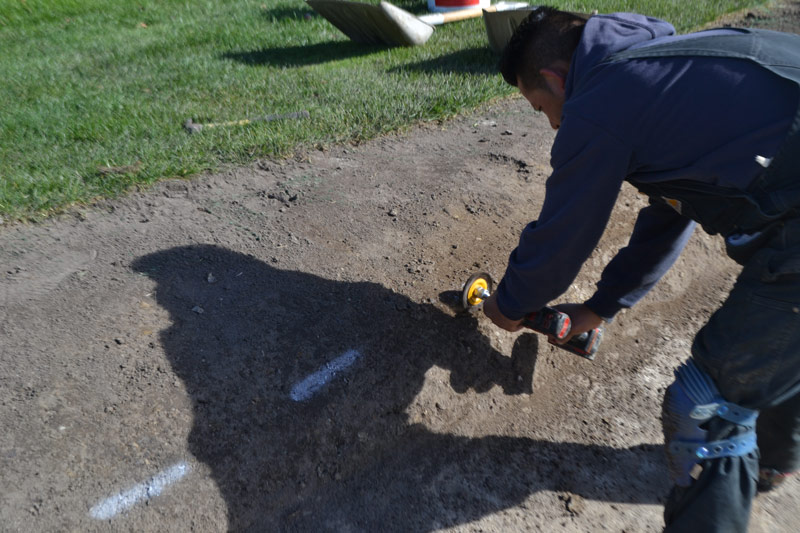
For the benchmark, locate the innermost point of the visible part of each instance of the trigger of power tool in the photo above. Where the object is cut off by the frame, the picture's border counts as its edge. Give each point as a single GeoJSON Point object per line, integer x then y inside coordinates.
{"type": "Point", "coordinates": [546, 320]}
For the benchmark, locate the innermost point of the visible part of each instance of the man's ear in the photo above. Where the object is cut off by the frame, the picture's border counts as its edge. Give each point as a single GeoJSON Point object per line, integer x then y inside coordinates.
{"type": "Point", "coordinates": [555, 79]}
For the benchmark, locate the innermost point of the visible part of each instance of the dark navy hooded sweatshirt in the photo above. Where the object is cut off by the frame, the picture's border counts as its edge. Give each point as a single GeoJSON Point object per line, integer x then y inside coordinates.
{"type": "Point", "coordinates": [645, 121]}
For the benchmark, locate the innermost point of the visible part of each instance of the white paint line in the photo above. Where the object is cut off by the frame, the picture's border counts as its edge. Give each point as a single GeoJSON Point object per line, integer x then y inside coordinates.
{"type": "Point", "coordinates": [308, 387]}
{"type": "Point", "coordinates": [142, 492]}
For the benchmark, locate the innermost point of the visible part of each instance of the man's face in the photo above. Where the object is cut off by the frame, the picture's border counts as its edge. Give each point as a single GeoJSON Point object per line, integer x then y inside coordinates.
{"type": "Point", "coordinates": [550, 102]}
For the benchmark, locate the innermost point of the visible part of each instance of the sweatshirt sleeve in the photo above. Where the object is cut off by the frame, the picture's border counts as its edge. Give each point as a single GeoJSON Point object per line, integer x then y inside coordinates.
{"type": "Point", "coordinates": [658, 237]}
{"type": "Point", "coordinates": [589, 165]}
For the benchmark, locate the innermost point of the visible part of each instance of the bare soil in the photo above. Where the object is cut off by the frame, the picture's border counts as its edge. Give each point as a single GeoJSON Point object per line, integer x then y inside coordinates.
{"type": "Point", "coordinates": [159, 353]}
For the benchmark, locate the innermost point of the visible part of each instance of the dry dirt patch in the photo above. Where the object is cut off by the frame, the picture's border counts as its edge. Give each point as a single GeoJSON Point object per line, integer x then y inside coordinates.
{"type": "Point", "coordinates": [275, 348]}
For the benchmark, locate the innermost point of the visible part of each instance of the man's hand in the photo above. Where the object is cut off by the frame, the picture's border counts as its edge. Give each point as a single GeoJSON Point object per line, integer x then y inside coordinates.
{"type": "Point", "coordinates": [491, 310]}
{"type": "Point", "coordinates": [583, 320]}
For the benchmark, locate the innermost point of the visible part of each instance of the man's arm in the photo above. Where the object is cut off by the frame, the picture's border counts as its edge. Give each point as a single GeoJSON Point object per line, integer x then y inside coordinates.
{"type": "Point", "coordinates": [659, 236]}
{"type": "Point", "coordinates": [589, 166]}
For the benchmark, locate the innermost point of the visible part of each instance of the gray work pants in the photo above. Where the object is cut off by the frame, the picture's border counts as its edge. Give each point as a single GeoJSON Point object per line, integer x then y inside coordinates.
{"type": "Point", "coordinates": [751, 349]}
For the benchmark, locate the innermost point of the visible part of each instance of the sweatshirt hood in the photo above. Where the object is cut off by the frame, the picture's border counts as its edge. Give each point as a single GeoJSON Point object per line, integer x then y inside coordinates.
{"type": "Point", "coordinates": [604, 35]}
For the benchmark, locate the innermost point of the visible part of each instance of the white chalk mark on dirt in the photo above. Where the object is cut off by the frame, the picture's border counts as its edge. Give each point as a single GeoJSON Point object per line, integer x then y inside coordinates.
{"type": "Point", "coordinates": [151, 488]}
{"type": "Point", "coordinates": [308, 387]}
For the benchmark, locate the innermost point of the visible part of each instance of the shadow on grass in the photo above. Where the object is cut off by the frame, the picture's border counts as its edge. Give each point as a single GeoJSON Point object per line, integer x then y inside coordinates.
{"type": "Point", "coordinates": [298, 56]}
{"type": "Point", "coordinates": [347, 457]}
{"type": "Point", "coordinates": [285, 12]}
{"type": "Point", "coordinates": [469, 61]}
{"type": "Point", "coordinates": [279, 13]}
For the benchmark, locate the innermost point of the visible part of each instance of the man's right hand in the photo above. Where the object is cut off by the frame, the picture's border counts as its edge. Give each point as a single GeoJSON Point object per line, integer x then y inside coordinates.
{"type": "Point", "coordinates": [583, 319]}
{"type": "Point", "coordinates": [491, 310]}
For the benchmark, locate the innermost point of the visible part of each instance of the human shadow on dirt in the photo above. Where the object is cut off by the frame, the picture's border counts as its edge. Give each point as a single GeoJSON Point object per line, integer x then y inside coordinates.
{"type": "Point", "coordinates": [245, 335]}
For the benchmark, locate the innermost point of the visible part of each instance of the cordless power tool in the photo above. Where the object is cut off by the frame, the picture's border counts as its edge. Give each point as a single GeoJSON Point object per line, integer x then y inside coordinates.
{"type": "Point", "coordinates": [547, 320]}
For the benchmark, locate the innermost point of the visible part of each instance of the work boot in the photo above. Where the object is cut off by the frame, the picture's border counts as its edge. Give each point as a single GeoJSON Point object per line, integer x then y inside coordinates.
{"type": "Point", "coordinates": [769, 479]}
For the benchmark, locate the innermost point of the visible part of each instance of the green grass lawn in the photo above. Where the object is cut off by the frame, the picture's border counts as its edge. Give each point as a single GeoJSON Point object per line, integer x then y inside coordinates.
{"type": "Point", "coordinates": [94, 93]}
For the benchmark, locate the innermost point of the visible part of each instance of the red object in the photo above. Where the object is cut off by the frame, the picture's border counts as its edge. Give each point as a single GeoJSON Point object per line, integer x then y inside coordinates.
{"type": "Point", "coordinates": [565, 328]}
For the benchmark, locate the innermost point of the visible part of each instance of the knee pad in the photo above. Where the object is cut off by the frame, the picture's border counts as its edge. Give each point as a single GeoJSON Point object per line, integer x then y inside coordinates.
{"type": "Point", "coordinates": [689, 403]}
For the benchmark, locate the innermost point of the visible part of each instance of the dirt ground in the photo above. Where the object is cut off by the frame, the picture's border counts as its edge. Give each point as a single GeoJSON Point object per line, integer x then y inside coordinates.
{"type": "Point", "coordinates": [276, 348]}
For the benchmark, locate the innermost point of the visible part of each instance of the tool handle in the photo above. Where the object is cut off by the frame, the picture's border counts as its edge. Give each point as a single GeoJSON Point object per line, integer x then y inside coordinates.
{"type": "Point", "coordinates": [463, 14]}
{"type": "Point", "coordinates": [436, 19]}
{"type": "Point", "coordinates": [585, 344]}
{"type": "Point", "coordinates": [556, 324]}
{"type": "Point", "coordinates": [549, 321]}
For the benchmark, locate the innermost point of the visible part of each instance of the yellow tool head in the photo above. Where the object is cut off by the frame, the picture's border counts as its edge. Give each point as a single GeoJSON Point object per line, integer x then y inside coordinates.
{"type": "Point", "coordinates": [471, 295]}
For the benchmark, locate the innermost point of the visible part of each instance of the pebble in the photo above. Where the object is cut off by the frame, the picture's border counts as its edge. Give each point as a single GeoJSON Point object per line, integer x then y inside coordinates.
{"type": "Point", "coordinates": [574, 503]}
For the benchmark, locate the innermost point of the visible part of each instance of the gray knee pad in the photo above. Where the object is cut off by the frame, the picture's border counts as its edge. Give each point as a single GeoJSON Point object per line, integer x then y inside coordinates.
{"type": "Point", "coordinates": [690, 402]}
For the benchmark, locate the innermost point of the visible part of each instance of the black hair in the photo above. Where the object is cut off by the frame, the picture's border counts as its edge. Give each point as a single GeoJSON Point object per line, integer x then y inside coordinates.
{"type": "Point", "coordinates": [545, 37]}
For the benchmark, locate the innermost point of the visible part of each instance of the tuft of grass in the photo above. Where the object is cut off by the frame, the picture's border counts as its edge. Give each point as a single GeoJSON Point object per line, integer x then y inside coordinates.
{"type": "Point", "coordinates": [95, 92]}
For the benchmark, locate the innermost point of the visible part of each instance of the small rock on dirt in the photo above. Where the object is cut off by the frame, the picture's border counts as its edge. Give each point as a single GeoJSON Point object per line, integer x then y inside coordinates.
{"type": "Point", "coordinates": [574, 503]}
